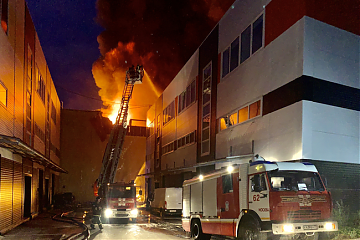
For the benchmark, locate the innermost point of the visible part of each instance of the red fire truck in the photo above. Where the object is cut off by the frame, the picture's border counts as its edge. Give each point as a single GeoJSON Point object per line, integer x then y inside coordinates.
{"type": "Point", "coordinates": [258, 200]}
{"type": "Point", "coordinates": [120, 201]}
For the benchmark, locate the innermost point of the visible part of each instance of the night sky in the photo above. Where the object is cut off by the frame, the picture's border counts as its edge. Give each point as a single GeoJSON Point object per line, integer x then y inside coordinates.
{"type": "Point", "coordinates": [83, 37]}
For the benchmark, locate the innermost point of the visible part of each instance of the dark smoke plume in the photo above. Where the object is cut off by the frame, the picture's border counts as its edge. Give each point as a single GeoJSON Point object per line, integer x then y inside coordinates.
{"type": "Point", "coordinates": [165, 32]}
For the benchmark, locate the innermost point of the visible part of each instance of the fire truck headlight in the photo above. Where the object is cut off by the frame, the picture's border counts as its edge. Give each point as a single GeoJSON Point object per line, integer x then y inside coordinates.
{"type": "Point", "coordinates": [108, 212]}
{"type": "Point", "coordinates": [288, 228]}
{"type": "Point", "coordinates": [329, 226]}
{"type": "Point", "coordinates": [134, 212]}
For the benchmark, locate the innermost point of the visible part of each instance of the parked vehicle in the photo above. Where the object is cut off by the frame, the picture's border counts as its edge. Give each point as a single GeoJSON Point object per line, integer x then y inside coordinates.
{"type": "Point", "coordinates": [167, 201]}
{"type": "Point", "coordinates": [258, 200]}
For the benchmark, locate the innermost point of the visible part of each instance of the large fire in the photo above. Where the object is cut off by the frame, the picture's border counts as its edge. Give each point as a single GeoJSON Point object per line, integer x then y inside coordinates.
{"type": "Point", "coordinates": [109, 74]}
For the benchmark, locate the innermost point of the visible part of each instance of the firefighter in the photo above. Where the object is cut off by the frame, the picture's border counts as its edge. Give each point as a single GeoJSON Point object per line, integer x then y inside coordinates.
{"type": "Point", "coordinates": [96, 209]}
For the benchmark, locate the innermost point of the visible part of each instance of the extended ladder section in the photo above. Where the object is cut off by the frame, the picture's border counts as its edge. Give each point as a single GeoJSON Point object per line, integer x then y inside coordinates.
{"type": "Point", "coordinates": [118, 133]}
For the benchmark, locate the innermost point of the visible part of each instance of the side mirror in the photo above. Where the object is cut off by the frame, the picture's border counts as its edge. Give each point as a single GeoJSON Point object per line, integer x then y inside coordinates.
{"type": "Point", "coordinates": [140, 192]}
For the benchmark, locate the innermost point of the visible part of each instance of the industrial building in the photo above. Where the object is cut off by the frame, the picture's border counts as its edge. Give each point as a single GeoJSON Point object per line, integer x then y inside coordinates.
{"type": "Point", "coordinates": [275, 78]}
{"type": "Point", "coordinates": [29, 120]}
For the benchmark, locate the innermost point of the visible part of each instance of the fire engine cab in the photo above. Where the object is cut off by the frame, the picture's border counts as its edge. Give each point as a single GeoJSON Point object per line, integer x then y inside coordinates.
{"type": "Point", "coordinates": [258, 200]}
{"type": "Point", "coordinates": [120, 201]}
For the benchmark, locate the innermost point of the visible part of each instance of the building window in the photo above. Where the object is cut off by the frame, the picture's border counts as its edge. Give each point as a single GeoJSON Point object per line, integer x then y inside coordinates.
{"type": "Point", "coordinates": [228, 121]}
{"type": "Point", "coordinates": [186, 140]}
{"type": "Point", "coordinates": [245, 44]}
{"type": "Point", "coordinates": [231, 57]}
{"type": "Point", "coordinates": [4, 15]}
{"type": "Point", "coordinates": [206, 110]}
{"type": "Point", "coordinates": [227, 185]}
{"type": "Point", "coordinates": [53, 112]}
{"type": "Point", "coordinates": [187, 97]}
{"type": "Point", "coordinates": [257, 34]}
{"type": "Point", "coordinates": [234, 60]}
{"type": "Point", "coordinates": [168, 148]}
{"type": "Point", "coordinates": [39, 133]}
{"type": "Point", "coordinates": [226, 62]}
{"type": "Point", "coordinates": [169, 113]}
{"type": "Point", "coordinates": [29, 78]}
{"type": "Point", "coordinates": [158, 126]}
{"type": "Point", "coordinates": [254, 109]}
{"type": "Point", "coordinates": [3, 94]}
{"type": "Point", "coordinates": [40, 89]}
{"type": "Point", "coordinates": [251, 40]}
{"type": "Point", "coordinates": [245, 113]}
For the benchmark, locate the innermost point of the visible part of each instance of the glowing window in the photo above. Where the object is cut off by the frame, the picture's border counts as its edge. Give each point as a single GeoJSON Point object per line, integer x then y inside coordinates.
{"type": "Point", "coordinates": [3, 94]}
{"type": "Point", "coordinates": [254, 109]}
{"type": "Point", "coordinates": [222, 123]}
{"type": "Point", "coordinates": [243, 114]}
{"type": "Point", "coordinates": [233, 119]}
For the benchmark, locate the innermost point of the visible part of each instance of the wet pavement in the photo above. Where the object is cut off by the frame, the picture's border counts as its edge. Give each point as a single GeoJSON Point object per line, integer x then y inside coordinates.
{"type": "Point", "coordinates": [42, 227]}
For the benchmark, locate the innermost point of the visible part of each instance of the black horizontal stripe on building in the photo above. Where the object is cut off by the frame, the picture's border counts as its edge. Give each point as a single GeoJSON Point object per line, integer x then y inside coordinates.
{"type": "Point", "coordinates": [312, 89]}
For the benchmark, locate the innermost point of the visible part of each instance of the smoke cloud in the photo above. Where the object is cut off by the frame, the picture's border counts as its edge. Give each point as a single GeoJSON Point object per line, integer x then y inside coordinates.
{"type": "Point", "coordinates": [161, 35]}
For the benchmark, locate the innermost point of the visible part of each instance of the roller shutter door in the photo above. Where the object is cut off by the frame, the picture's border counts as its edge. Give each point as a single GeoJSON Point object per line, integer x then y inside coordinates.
{"type": "Point", "coordinates": [6, 193]}
{"type": "Point", "coordinates": [17, 193]}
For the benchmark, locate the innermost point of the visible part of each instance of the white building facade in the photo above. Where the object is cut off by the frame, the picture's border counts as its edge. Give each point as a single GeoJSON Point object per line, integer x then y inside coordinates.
{"type": "Point", "coordinates": [280, 79]}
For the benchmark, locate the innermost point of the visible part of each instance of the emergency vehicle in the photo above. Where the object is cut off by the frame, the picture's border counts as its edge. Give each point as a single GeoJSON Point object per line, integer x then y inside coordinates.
{"type": "Point", "coordinates": [258, 200]}
{"type": "Point", "coordinates": [120, 201]}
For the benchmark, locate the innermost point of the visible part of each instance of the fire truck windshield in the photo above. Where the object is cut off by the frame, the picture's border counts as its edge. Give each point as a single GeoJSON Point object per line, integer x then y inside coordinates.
{"type": "Point", "coordinates": [295, 181]}
{"type": "Point", "coordinates": [122, 192]}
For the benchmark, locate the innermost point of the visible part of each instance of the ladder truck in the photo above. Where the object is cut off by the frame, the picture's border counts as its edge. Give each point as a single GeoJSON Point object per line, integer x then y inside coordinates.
{"type": "Point", "coordinates": [118, 199]}
{"type": "Point", "coordinates": [258, 200]}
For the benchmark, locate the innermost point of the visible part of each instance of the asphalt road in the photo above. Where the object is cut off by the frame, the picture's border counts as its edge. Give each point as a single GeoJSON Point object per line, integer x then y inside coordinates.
{"type": "Point", "coordinates": [133, 231]}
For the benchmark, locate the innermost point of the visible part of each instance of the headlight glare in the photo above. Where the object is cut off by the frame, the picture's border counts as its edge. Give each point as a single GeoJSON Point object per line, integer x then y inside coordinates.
{"type": "Point", "coordinates": [134, 212]}
{"type": "Point", "coordinates": [289, 228]}
{"type": "Point", "coordinates": [108, 212]}
{"type": "Point", "coordinates": [329, 226]}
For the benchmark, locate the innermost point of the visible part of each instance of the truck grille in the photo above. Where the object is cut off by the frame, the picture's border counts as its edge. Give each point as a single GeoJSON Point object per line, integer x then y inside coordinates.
{"type": "Point", "coordinates": [304, 214]}
{"type": "Point", "coordinates": [121, 215]}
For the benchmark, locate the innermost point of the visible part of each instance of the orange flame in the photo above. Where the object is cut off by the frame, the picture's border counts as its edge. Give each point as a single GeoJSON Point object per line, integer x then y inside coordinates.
{"type": "Point", "coordinates": [109, 74]}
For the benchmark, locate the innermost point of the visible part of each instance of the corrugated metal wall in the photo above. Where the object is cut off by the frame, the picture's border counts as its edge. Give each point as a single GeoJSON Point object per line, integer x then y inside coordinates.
{"type": "Point", "coordinates": [343, 181]}
{"type": "Point", "coordinates": [6, 193]}
{"type": "Point", "coordinates": [11, 193]}
{"type": "Point", "coordinates": [17, 193]}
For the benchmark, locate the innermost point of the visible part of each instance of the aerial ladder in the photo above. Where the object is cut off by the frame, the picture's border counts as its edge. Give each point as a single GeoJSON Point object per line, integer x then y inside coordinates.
{"type": "Point", "coordinates": [113, 149]}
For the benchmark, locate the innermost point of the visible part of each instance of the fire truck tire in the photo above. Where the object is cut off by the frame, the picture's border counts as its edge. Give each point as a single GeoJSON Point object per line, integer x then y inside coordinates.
{"type": "Point", "coordinates": [196, 231]}
{"type": "Point", "coordinates": [250, 231]}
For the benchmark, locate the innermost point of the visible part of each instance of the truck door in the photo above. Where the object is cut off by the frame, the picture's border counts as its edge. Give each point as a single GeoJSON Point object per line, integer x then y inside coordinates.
{"type": "Point", "coordinates": [259, 196]}
{"type": "Point", "coordinates": [228, 202]}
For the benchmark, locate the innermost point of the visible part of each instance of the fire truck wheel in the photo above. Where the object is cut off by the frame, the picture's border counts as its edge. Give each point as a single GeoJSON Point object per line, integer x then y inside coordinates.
{"type": "Point", "coordinates": [250, 231]}
{"type": "Point", "coordinates": [196, 231]}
